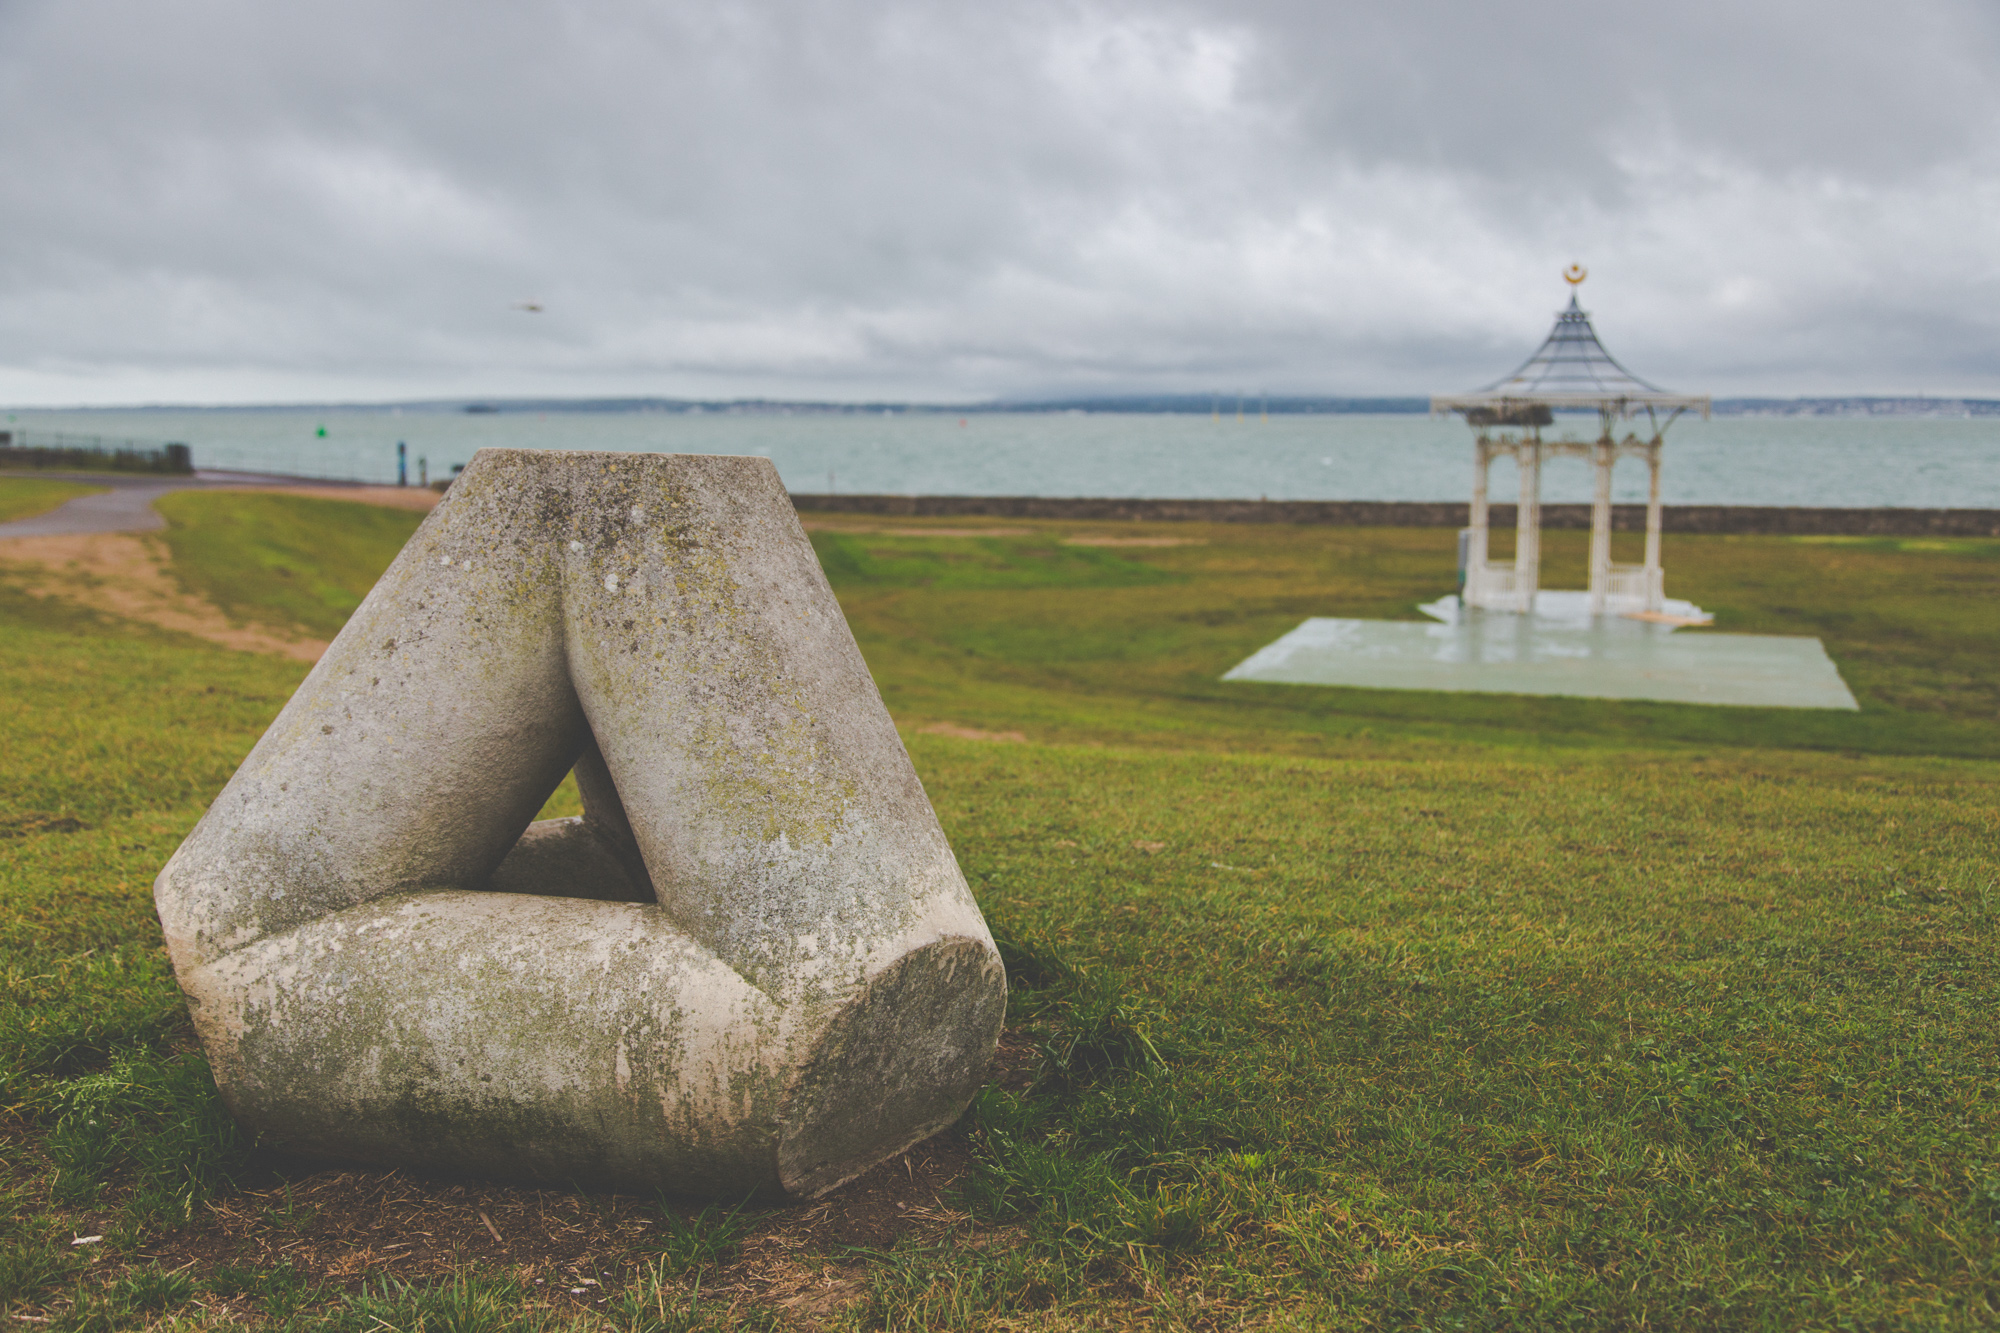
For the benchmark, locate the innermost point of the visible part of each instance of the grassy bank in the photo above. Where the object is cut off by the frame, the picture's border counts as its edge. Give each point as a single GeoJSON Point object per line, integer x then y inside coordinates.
{"type": "Point", "coordinates": [1005, 633]}
{"type": "Point", "coordinates": [1332, 1009]}
{"type": "Point", "coordinates": [286, 561]}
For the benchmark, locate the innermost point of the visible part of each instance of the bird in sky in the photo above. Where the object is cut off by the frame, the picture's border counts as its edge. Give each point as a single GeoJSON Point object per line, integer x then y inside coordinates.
{"type": "Point", "coordinates": [532, 307]}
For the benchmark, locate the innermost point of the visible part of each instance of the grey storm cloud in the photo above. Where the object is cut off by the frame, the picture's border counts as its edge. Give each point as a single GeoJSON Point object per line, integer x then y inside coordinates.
{"type": "Point", "coordinates": [235, 201]}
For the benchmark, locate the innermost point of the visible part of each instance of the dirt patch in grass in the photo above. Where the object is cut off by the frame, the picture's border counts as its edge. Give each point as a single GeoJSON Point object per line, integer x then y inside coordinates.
{"type": "Point", "coordinates": [341, 1224]}
{"type": "Point", "coordinates": [34, 822]}
{"type": "Point", "coordinates": [125, 575]}
{"type": "Point", "coordinates": [334, 1228]}
{"type": "Point", "coordinates": [820, 525]}
{"type": "Point", "coordinates": [817, 525]}
{"type": "Point", "coordinates": [963, 733]}
{"type": "Point", "coordinates": [328, 1231]}
{"type": "Point", "coordinates": [420, 498]}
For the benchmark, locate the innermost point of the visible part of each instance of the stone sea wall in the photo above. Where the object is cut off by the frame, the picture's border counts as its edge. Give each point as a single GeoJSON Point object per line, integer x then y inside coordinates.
{"type": "Point", "coordinates": [1417, 514]}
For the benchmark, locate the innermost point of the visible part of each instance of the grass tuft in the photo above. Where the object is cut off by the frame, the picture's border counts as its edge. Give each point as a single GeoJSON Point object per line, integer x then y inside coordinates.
{"type": "Point", "coordinates": [34, 1251]}
{"type": "Point", "coordinates": [157, 1123]}
{"type": "Point", "coordinates": [707, 1241]}
{"type": "Point", "coordinates": [128, 1302]}
{"type": "Point", "coordinates": [466, 1303]}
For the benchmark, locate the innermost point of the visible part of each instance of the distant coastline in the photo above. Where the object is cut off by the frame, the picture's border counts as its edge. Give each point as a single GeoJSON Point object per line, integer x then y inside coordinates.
{"type": "Point", "coordinates": [1228, 405]}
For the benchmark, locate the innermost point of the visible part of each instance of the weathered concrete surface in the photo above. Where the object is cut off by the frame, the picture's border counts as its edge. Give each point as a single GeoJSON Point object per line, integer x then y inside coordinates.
{"type": "Point", "coordinates": [752, 964]}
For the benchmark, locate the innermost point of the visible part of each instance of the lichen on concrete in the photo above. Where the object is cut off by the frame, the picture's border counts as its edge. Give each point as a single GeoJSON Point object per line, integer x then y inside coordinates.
{"type": "Point", "coordinates": [751, 964]}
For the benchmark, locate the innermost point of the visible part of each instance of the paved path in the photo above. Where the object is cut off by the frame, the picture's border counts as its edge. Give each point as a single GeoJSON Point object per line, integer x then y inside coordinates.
{"type": "Point", "coordinates": [128, 505]}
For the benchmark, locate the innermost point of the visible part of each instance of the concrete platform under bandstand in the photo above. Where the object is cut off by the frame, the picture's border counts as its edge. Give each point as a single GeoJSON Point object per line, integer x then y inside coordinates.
{"type": "Point", "coordinates": [1558, 649]}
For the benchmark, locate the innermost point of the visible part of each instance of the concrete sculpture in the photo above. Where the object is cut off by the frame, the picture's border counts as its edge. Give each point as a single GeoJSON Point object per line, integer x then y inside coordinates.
{"type": "Point", "coordinates": [752, 964]}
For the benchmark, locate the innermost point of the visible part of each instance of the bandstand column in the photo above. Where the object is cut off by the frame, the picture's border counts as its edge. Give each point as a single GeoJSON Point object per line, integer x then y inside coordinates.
{"type": "Point", "coordinates": [1528, 524]}
{"type": "Point", "coordinates": [1655, 576]}
{"type": "Point", "coordinates": [1600, 525]}
{"type": "Point", "coordinates": [1477, 520]}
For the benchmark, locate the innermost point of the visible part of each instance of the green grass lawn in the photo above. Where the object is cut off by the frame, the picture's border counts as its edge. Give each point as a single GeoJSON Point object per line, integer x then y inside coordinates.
{"type": "Point", "coordinates": [1347, 1009]}
{"type": "Point", "coordinates": [1132, 649]}
{"type": "Point", "coordinates": [25, 497]}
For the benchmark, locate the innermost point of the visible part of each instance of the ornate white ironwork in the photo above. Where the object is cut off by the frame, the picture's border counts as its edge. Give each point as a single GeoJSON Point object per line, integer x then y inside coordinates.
{"type": "Point", "coordinates": [1571, 370]}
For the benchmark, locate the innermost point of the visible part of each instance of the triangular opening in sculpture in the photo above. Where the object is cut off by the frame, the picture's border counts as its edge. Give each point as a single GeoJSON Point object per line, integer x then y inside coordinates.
{"type": "Point", "coordinates": [593, 855]}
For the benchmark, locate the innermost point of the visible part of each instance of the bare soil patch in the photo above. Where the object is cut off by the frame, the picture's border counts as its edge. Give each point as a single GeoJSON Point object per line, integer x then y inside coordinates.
{"type": "Point", "coordinates": [876, 530]}
{"type": "Point", "coordinates": [421, 498]}
{"type": "Point", "coordinates": [855, 529]}
{"type": "Point", "coordinates": [343, 1225]}
{"type": "Point", "coordinates": [125, 574]}
{"type": "Point", "coordinates": [963, 733]}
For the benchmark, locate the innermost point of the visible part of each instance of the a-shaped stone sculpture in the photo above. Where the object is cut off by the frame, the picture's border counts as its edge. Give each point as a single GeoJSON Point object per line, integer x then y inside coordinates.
{"type": "Point", "coordinates": [752, 964]}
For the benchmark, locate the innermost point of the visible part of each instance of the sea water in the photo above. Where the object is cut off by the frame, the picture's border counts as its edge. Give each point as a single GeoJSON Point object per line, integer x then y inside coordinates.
{"type": "Point", "coordinates": [1907, 461]}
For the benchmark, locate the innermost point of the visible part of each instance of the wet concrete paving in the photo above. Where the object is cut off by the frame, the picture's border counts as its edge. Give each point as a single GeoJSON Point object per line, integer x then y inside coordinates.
{"type": "Point", "coordinates": [1555, 651]}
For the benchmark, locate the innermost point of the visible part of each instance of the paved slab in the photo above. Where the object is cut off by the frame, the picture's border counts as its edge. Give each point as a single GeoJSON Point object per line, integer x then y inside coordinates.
{"type": "Point", "coordinates": [1604, 657]}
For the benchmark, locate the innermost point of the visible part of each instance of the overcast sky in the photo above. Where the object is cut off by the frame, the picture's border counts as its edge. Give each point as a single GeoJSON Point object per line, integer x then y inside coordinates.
{"type": "Point", "coordinates": [215, 202]}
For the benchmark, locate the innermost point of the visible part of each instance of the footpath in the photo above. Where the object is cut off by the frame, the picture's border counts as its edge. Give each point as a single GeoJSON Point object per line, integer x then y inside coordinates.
{"type": "Point", "coordinates": [97, 550]}
{"type": "Point", "coordinates": [126, 505]}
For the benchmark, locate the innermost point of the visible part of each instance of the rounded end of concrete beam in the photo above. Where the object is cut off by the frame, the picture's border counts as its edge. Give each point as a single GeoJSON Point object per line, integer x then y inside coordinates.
{"type": "Point", "coordinates": [898, 1063]}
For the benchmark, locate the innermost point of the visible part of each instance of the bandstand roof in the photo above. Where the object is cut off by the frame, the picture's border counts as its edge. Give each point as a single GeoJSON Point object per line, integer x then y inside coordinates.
{"type": "Point", "coordinates": [1571, 369]}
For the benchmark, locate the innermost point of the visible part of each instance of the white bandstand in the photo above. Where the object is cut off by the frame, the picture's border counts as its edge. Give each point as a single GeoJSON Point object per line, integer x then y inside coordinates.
{"type": "Point", "coordinates": [1570, 371]}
